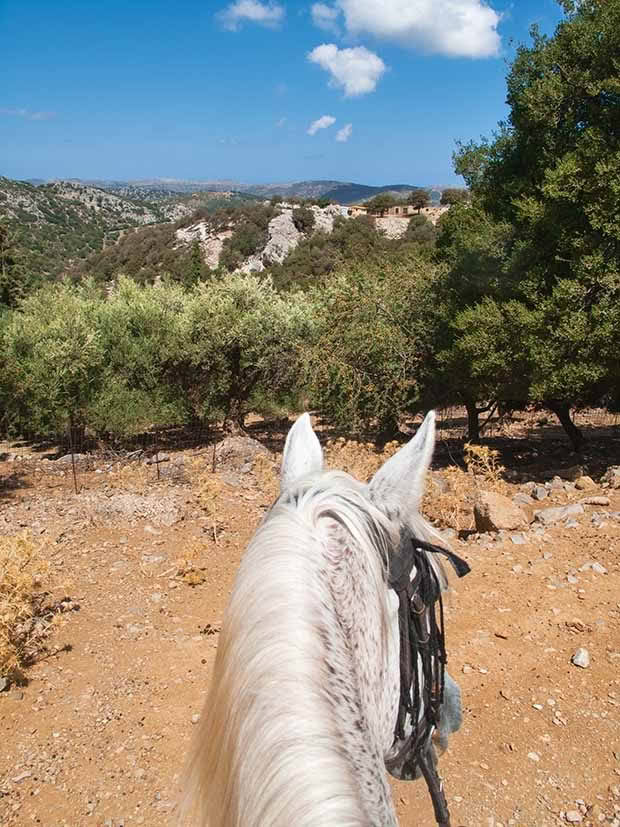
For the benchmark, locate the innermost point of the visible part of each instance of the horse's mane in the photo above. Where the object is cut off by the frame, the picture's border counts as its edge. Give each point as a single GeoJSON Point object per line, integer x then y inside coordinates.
{"type": "Point", "coordinates": [270, 750]}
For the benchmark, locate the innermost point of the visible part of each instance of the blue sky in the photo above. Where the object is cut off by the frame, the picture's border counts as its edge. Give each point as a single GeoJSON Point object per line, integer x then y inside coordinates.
{"type": "Point", "coordinates": [129, 89]}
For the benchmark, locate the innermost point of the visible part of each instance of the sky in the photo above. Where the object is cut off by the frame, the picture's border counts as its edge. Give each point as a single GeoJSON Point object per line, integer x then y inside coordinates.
{"type": "Point", "coordinates": [370, 91]}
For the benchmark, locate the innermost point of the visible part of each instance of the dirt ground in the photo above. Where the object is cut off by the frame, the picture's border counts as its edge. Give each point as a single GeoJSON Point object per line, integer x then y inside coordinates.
{"type": "Point", "coordinates": [98, 732]}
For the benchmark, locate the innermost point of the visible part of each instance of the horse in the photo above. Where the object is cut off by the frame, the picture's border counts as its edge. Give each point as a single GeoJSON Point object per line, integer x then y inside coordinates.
{"type": "Point", "coordinates": [305, 713]}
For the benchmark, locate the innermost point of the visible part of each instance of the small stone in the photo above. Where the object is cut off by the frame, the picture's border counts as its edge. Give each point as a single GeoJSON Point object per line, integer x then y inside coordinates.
{"type": "Point", "coordinates": [596, 567]}
{"type": "Point", "coordinates": [540, 492]}
{"type": "Point", "coordinates": [537, 706]}
{"type": "Point", "coordinates": [573, 817]}
{"type": "Point", "coordinates": [518, 539]}
{"type": "Point", "coordinates": [4, 683]}
{"type": "Point", "coordinates": [21, 777]}
{"type": "Point", "coordinates": [467, 669]}
{"type": "Point", "coordinates": [195, 718]}
{"type": "Point", "coordinates": [533, 756]}
{"type": "Point", "coordinates": [581, 658]}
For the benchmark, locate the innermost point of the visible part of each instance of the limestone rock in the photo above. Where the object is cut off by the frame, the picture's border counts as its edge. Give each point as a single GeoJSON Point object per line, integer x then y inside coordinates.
{"type": "Point", "coordinates": [585, 483]}
{"type": "Point", "coordinates": [494, 512]}
{"type": "Point", "coordinates": [555, 514]}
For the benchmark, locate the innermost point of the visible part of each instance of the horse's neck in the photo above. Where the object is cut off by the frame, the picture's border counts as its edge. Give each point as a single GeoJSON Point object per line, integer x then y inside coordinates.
{"type": "Point", "coordinates": [294, 730]}
{"type": "Point", "coordinates": [362, 659]}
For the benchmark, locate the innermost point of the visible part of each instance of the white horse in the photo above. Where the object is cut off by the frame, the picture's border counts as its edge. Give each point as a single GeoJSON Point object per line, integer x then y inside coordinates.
{"type": "Point", "coordinates": [300, 718]}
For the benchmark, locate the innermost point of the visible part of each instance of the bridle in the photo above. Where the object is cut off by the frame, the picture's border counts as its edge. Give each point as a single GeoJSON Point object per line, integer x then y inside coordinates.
{"type": "Point", "coordinates": [422, 641]}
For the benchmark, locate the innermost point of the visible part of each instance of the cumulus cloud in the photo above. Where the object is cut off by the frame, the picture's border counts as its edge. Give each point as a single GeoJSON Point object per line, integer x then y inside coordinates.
{"type": "Point", "coordinates": [325, 17]}
{"type": "Point", "coordinates": [253, 11]}
{"type": "Point", "coordinates": [455, 28]}
{"type": "Point", "coordinates": [321, 123]}
{"type": "Point", "coordinates": [344, 134]}
{"type": "Point", "coordinates": [356, 70]}
{"type": "Point", "coordinates": [27, 114]}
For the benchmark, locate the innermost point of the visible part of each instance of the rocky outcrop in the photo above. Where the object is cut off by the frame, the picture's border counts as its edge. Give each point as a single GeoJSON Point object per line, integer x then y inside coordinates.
{"type": "Point", "coordinates": [494, 512]}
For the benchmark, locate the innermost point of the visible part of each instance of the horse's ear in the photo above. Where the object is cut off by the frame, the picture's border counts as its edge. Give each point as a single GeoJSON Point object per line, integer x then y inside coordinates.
{"type": "Point", "coordinates": [302, 453]}
{"type": "Point", "coordinates": [399, 483]}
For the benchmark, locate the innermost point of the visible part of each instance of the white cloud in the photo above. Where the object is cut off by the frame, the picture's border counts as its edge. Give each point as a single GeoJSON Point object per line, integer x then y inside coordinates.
{"type": "Point", "coordinates": [281, 122]}
{"type": "Point", "coordinates": [27, 114]}
{"type": "Point", "coordinates": [344, 134]}
{"type": "Point", "coordinates": [321, 123]}
{"type": "Point", "coordinates": [325, 17]}
{"type": "Point", "coordinates": [456, 28]}
{"type": "Point", "coordinates": [356, 70]}
{"type": "Point", "coordinates": [267, 14]}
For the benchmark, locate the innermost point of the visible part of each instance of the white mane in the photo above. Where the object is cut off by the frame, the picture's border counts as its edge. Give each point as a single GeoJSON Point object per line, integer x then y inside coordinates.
{"type": "Point", "coordinates": [304, 695]}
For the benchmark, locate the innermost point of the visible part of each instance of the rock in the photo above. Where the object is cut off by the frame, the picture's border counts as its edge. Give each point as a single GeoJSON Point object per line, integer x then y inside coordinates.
{"type": "Point", "coordinates": [572, 473]}
{"type": "Point", "coordinates": [611, 477]}
{"type": "Point", "coordinates": [494, 512]}
{"type": "Point", "coordinates": [518, 539]}
{"type": "Point", "coordinates": [195, 718]}
{"type": "Point", "coordinates": [595, 501]}
{"type": "Point", "coordinates": [157, 458]}
{"type": "Point", "coordinates": [573, 817]}
{"type": "Point", "coordinates": [76, 457]}
{"type": "Point", "coordinates": [522, 499]}
{"type": "Point", "coordinates": [533, 756]}
{"type": "Point", "coordinates": [234, 452]}
{"type": "Point", "coordinates": [556, 484]}
{"type": "Point", "coordinates": [555, 514]}
{"type": "Point", "coordinates": [592, 565]}
{"type": "Point", "coordinates": [4, 683]}
{"type": "Point", "coordinates": [581, 658]}
{"type": "Point", "coordinates": [585, 483]}
{"type": "Point", "coordinates": [540, 492]}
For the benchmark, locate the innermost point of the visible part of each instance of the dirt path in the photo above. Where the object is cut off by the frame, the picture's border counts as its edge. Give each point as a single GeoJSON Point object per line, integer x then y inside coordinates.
{"type": "Point", "coordinates": [99, 734]}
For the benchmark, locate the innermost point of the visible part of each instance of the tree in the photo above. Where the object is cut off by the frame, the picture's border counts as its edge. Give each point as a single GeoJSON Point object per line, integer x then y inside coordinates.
{"type": "Point", "coordinates": [303, 219]}
{"type": "Point", "coordinates": [553, 171]}
{"type": "Point", "coordinates": [381, 203]}
{"type": "Point", "coordinates": [453, 195]}
{"type": "Point", "coordinates": [14, 281]}
{"type": "Point", "coordinates": [419, 198]}
{"type": "Point", "coordinates": [196, 268]}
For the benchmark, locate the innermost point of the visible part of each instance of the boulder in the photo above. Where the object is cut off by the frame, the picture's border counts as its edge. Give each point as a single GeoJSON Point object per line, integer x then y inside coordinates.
{"type": "Point", "coordinates": [585, 483]}
{"type": "Point", "coordinates": [494, 512]}
{"type": "Point", "coordinates": [612, 476]}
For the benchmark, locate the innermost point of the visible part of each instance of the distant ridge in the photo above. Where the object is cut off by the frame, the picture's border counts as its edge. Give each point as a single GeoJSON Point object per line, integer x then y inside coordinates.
{"type": "Point", "coordinates": [343, 192]}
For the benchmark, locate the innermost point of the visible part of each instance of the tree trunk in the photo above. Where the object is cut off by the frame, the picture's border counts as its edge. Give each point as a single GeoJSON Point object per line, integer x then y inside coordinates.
{"type": "Point", "coordinates": [562, 411]}
{"type": "Point", "coordinates": [473, 423]}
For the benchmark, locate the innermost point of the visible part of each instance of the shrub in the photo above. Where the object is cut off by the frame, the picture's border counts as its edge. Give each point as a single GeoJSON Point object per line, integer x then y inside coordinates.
{"type": "Point", "coordinates": [22, 569]}
{"type": "Point", "coordinates": [303, 219]}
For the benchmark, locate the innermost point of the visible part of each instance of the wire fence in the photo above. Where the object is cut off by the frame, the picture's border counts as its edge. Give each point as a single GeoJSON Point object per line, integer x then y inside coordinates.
{"type": "Point", "coordinates": [159, 452]}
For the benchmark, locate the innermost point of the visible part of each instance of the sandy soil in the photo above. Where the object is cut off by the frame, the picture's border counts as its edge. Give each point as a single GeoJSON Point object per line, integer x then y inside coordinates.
{"type": "Point", "coordinates": [98, 733]}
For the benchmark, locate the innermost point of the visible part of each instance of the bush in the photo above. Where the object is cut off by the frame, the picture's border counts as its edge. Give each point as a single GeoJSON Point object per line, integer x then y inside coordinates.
{"type": "Point", "coordinates": [22, 568]}
{"type": "Point", "coordinates": [303, 219]}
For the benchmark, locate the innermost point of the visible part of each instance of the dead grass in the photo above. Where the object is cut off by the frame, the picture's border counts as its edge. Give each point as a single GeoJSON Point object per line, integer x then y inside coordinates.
{"type": "Point", "coordinates": [24, 623]}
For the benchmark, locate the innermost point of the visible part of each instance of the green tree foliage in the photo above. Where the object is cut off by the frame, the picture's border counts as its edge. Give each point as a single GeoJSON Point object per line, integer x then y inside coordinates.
{"type": "Point", "coordinates": [453, 195]}
{"type": "Point", "coordinates": [552, 173]}
{"type": "Point", "coordinates": [139, 329]}
{"type": "Point", "coordinates": [381, 203]}
{"type": "Point", "coordinates": [241, 342]}
{"type": "Point", "coordinates": [419, 198]}
{"type": "Point", "coordinates": [249, 236]}
{"type": "Point", "coordinates": [303, 219]}
{"type": "Point", "coordinates": [54, 360]}
{"type": "Point", "coordinates": [369, 321]}
{"type": "Point", "coordinates": [15, 281]}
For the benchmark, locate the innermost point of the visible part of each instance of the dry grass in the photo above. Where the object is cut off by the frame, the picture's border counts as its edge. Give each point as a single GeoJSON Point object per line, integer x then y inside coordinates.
{"type": "Point", "coordinates": [264, 469]}
{"type": "Point", "coordinates": [24, 622]}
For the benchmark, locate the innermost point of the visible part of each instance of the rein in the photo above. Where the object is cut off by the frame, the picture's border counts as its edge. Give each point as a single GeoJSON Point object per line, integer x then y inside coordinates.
{"type": "Point", "coordinates": [422, 641]}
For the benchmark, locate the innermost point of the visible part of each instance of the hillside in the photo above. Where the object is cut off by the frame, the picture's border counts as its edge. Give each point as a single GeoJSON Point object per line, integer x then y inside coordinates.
{"type": "Point", "coordinates": [57, 225]}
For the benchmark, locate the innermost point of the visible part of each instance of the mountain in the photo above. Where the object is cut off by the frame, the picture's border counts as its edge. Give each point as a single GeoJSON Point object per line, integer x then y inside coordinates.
{"type": "Point", "coordinates": [57, 224]}
{"type": "Point", "coordinates": [158, 189]}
